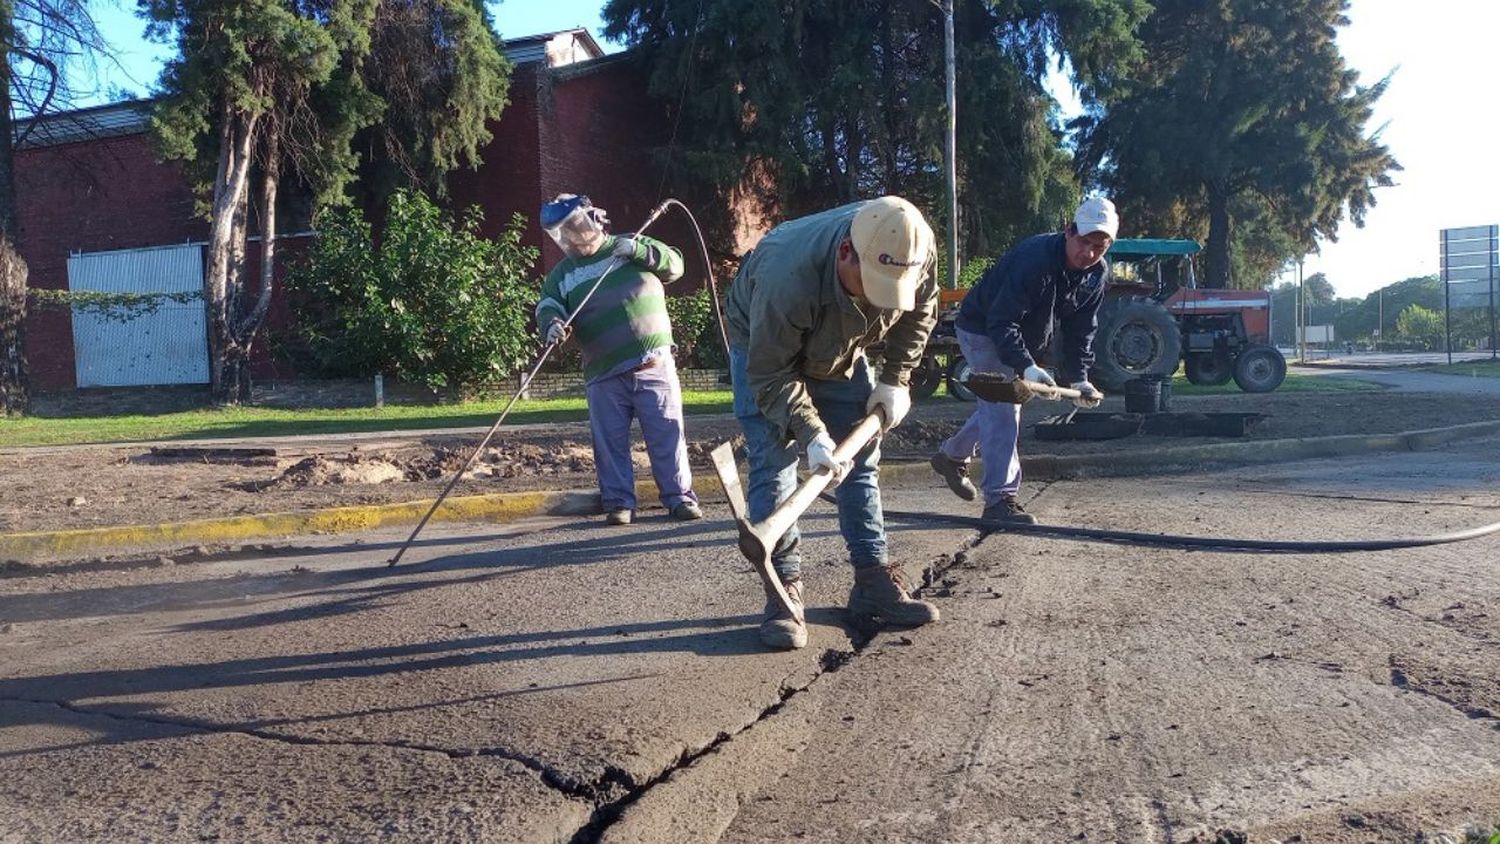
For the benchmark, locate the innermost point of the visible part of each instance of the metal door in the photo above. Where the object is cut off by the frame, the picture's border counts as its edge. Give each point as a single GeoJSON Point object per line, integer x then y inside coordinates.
{"type": "Point", "coordinates": [169, 346]}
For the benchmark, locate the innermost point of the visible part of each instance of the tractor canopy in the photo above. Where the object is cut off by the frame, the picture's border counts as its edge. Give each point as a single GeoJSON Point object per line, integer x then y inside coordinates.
{"type": "Point", "coordinates": [1135, 249]}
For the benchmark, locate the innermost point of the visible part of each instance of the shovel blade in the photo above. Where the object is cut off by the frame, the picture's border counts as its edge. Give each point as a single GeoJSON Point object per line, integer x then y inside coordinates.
{"type": "Point", "coordinates": [751, 544]}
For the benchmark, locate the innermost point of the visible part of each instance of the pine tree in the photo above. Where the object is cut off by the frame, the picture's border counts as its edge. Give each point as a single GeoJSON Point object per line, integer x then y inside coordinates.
{"type": "Point", "coordinates": [1242, 111]}
{"type": "Point", "coordinates": [267, 90]}
{"type": "Point", "coordinates": [808, 103]}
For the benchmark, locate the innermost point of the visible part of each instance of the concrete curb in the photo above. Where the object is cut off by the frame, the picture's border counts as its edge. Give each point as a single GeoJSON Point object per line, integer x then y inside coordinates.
{"type": "Point", "coordinates": [513, 506]}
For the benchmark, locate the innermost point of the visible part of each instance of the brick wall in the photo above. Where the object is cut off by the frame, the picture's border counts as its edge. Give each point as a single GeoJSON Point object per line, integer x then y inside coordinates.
{"type": "Point", "coordinates": [584, 129]}
{"type": "Point", "coordinates": [90, 196]}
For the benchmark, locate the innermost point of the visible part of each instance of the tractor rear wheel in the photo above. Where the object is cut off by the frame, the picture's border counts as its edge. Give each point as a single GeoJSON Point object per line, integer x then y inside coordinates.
{"type": "Point", "coordinates": [1136, 337]}
{"type": "Point", "coordinates": [1209, 369]}
{"type": "Point", "coordinates": [1259, 369]}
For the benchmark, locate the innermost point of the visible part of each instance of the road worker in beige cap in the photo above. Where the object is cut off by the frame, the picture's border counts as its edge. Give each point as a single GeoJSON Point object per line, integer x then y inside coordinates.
{"type": "Point", "coordinates": [804, 306]}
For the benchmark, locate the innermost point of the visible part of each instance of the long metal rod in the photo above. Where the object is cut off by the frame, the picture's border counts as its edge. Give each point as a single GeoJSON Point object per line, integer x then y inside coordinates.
{"type": "Point", "coordinates": [525, 383]}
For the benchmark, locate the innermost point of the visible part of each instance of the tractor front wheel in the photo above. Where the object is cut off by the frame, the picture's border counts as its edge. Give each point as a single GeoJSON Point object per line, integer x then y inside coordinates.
{"type": "Point", "coordinates": [1259, 369]}
{"type": "Point", "coordinates": [958, 379]}
{"type": "Point", "coordinates": [926, 378]}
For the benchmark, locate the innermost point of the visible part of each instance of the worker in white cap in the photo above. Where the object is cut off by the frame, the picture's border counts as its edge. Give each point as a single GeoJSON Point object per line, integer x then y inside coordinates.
{"type": "Point", "coordinates": [1005, 328]}
{"type": "Point", "coordinates": [806, 302]}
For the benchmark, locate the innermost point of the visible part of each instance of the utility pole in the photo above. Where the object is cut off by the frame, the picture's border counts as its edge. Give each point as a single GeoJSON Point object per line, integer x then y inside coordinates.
{"type": "Point", "coordinates": [1301, 316]}
{"type": "Point", "coordinates": [950, 143]}
{"type": "Point", "coordinates": [1380, 310]}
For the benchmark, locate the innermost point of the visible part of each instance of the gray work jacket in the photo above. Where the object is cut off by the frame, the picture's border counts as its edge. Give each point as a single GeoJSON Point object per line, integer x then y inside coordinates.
{"type": "Point", "coordinates": [787, 309]}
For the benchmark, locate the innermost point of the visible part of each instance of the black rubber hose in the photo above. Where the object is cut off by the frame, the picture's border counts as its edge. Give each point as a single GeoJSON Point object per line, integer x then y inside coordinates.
{"type": "Point", "coordinates": [1206, 543]}
{"type": "Point", "coordinates": [708, 269]}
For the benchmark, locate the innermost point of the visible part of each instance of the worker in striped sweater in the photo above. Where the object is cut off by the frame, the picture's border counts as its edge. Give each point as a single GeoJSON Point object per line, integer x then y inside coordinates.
{"type": "Point", "coordinates": [613, 285]}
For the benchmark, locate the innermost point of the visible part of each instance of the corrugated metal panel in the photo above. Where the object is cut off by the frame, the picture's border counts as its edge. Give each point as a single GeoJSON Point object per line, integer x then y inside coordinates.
{"type": "Point", "coordinates": [167, 347]}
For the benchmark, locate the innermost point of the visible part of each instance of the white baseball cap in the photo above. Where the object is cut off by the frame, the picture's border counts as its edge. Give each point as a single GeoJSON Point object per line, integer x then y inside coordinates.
{"type": "Point", "coordinates": [894, 244]}
{"type": "Point", "coordinates": [1097, 214]}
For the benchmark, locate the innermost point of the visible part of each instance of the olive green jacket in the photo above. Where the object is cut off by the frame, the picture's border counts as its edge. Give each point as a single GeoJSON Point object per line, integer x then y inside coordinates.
{"type": "Point", "coordinates": [787, 309]}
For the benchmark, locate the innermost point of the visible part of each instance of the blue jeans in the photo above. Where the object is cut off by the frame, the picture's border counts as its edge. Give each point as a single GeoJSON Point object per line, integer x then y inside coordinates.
{"type": "Point", "coordinates": [653, 396]}
{"type": "Point", "coordinates": [773, 467]}
{"type": "Point", "coordinates": [992, 429]}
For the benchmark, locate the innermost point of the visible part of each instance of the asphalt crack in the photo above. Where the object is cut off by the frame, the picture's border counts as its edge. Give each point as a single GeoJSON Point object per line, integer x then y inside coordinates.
{"type": "Point", "coordinates": [829, 661]}
{"type": "Point", "coordinates": [608, 782]}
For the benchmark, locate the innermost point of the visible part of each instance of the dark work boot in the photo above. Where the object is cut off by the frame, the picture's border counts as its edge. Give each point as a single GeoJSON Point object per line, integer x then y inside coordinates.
{"type": "Point", "coordinates": [956, 474]}
{"type": "Point", "coordinates": [781, 630]}
{"type": "Point", "coordinates": [1007, 511]}
{"type": "Point", "coordinates": [880, 593]}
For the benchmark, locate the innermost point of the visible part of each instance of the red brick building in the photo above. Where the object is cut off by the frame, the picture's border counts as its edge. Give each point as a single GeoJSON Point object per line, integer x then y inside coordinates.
{"type": "Point", "coordinates": [99, 211]}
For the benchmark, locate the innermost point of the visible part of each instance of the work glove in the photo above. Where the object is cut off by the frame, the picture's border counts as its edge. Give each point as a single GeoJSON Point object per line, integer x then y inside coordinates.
{"type": "Point", "coordinates": [557, 332]}
{"type": "Point", "coordinates": [820, 454]}
{"type": "Point", "coordinates": [893, 403]}
{"type": "Point", "coordinates": [1090, 397]}
{"type": "Point", "coordinates": [1038, 375]}
{"type": "Point", "coordinates": [624, 248]}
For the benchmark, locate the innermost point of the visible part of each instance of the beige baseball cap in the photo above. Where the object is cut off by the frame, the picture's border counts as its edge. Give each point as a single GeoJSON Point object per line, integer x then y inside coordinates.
{"type": "Point", "coordinates": [894, 244]}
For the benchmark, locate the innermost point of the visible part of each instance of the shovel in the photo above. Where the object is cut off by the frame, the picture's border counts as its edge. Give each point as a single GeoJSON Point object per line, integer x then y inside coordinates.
{"type": "Point", "coordinates": [757, 540]}
{"type": "Point", "coordinates": [998, 388]}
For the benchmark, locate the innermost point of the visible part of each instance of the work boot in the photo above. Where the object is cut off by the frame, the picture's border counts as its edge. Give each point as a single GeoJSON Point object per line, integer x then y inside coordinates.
{"type": "Point", "coordinates": [881, 592]}
{"type": "Point", "coordinates": [687, 511]}
{"type": "Point", "coordinates": [956, 474]}
{"type": "Point", "coordinates": [781, 630]}
{"type": "Point", "coordinates": [1007, 511]}
{"type": "Point", "coordinates": [620, 516]}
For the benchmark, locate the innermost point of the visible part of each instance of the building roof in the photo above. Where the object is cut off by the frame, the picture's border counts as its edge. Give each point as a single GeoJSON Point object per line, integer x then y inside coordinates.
{"type": "Point", "coordinates": [556, 49]}
{"type": "Point", "coordinates": [562, 47]}
{"type": "Point", "coordinates": [106, 121]}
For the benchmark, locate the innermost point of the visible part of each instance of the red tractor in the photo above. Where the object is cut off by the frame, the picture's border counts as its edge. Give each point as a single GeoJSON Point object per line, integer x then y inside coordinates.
{"type": "Point", "coordinates": [1153, 318]}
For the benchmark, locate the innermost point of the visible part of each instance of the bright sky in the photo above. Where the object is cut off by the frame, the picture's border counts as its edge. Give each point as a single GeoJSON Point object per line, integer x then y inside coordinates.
{"type": "Point", "coordinates": [1438, 114]}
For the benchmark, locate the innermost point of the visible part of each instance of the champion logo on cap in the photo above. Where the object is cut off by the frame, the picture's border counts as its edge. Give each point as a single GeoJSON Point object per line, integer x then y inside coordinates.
{"type": "Point", "coordinates": [892, 262]}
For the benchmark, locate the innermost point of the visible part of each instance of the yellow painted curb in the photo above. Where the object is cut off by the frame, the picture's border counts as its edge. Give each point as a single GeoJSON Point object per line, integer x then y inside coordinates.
{"type": "Point", "coordinates": [513, 506]}
{"type": "Point", "coordinates": [494, 507]}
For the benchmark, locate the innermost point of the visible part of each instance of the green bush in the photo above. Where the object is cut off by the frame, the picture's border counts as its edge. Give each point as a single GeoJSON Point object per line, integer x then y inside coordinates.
{"type": "Point", "coordinates": [696, 331]}
{"type": "Point", "coordinates": [434, 303]}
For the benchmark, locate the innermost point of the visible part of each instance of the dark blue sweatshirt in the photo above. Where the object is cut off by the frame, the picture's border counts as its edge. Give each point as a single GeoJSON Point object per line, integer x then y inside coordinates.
{"type": "Point", "coordinates": [1017, 299]}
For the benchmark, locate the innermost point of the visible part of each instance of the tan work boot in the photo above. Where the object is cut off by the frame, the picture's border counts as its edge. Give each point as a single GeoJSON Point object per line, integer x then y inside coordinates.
{"type": "Point", "coordinates": [781, 630]}
{"type": "Point", "coordinates": [880, 592]}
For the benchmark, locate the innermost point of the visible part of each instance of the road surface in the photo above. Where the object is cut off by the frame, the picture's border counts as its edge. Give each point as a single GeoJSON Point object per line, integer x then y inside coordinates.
{"type": "Point", "coordinates": [566, 681]}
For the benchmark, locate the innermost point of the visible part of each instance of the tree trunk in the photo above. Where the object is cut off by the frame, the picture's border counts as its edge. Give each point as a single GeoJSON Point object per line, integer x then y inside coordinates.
{"type": "Point", "coordinates": [1217, 271]}
{"type": "Point", "coordinates": [13, 392]}
{"type": "Point", "coordinates": [226, 245]}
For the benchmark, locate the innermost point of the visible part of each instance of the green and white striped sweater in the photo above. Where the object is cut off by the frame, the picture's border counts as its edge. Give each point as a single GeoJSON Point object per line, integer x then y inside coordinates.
{"type": "Point", "coordinates": [625, 322]}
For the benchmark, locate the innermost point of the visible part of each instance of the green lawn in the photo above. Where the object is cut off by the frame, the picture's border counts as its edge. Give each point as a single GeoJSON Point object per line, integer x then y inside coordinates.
{"type": "Point", "coordinates": [268, 422]}
{"type": "Point", "coordinates": [1294, 383]}
{"type": "Point", "coordinates": [271, 422]}
{"type": "Point", "coordinates": [1477, 369]}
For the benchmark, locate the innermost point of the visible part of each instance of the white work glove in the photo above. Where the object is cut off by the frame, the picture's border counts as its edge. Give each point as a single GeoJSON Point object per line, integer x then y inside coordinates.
{"type": "Point", "coordinates": [1090, 397]}
{"type": "Point", "coordinates": [820, 454]}
{"type": "Point", "coordinates": [624, 248]}
{"type": "Point", "coordinates": [1038, 375]}
{"type": "Point", "coordinates": [893, 402]}
{"type": "Point", "coordinates": [557, 332]}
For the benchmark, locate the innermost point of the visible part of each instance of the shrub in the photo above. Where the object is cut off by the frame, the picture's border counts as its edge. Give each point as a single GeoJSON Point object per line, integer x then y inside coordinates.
{"type": "Point", "coordinates": [434, 303]}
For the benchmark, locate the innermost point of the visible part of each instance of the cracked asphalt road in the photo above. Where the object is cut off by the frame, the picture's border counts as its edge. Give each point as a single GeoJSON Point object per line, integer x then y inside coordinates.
{"type": "Point", "coordinates": [566, 681]}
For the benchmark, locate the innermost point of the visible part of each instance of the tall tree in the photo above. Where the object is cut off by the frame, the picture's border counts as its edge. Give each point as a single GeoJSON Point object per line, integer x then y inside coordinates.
{"type": "Point", "coordinates": [40, 42]}
{"type": "Point", "coordinates": [1243, 108]}
{"type": "Point", "coordinates": [438, 69]}
{"type": "Point", "coordinates": [264, 91]}
{"type": "Point", "coordinates": [817, 102]}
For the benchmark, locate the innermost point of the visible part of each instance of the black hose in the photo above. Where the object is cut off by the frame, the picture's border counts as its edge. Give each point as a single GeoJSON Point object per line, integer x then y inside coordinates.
{"type": "Point", "coordinates": [708, 269]}
{"type": "Point", "coordinates": [1206, 543]}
